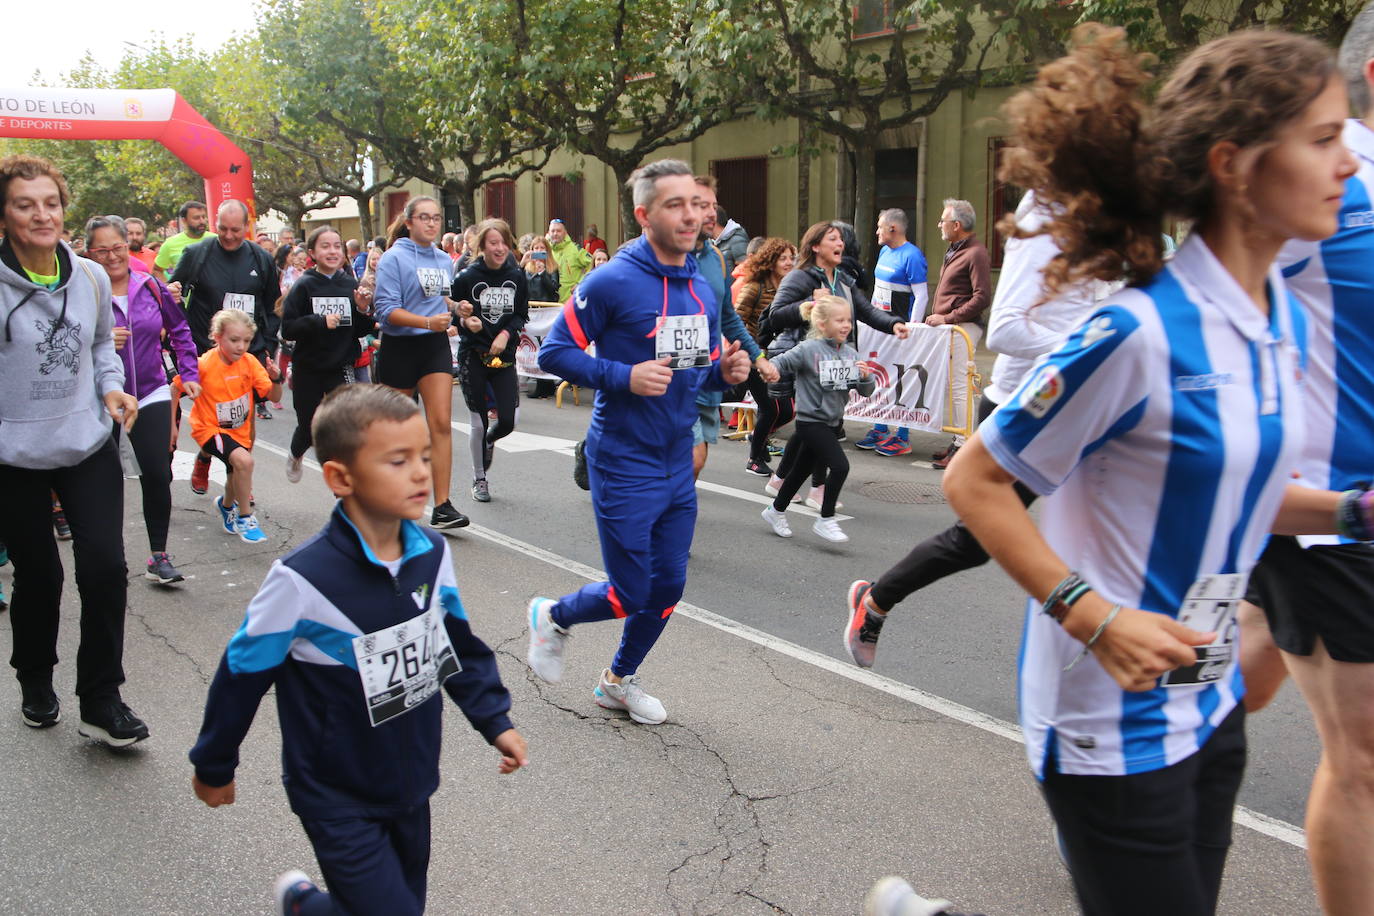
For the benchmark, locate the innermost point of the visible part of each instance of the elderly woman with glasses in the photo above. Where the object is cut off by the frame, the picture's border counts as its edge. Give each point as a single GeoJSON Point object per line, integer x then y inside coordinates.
{"type": "Point", "coordinates": [147, 319]}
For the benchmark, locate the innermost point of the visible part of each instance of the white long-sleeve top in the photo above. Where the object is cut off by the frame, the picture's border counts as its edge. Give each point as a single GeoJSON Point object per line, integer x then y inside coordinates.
{"type": "Point", "coordinates": [1020, 330]}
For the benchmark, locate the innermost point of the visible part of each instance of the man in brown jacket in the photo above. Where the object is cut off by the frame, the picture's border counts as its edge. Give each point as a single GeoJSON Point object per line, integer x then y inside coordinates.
{"type": "Point", "coordinates": [963, 294]}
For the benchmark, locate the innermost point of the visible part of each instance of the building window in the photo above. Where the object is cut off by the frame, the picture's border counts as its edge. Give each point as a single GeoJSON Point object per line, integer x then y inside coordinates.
{"type": "Point", "coordinates": [1002, 199]}
{"type": "Point", "coordinates": [872, 17]}
{"type": "Point", "coordinates": [565, 203]}
{"type": "Point", "coordinates": [395, 203]}
{"type": "Point", "coordinates": [501, 202]}
{"type": "Point", "coordinates": [742, 189]}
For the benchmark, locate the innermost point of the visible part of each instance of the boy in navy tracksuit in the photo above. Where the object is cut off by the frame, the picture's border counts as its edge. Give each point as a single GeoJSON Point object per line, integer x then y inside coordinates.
{"type": "Point", "coordinates": [358, 628]}
{"type": "Point", "coordinates": [657, 345]}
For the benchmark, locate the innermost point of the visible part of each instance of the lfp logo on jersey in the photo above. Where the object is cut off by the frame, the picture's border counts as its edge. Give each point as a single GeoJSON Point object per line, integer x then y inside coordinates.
{"type": "Point", "coordinates": [1044, 388]}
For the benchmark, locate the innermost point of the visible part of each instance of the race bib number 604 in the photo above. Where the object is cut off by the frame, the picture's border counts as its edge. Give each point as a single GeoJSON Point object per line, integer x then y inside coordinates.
{"type": "Point", "coordinates": [404, 665]}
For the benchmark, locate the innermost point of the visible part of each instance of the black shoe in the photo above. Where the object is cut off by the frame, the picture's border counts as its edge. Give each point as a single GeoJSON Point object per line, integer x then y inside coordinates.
{"type": "Point", "coordinates": [488, 454]}
{"type": "Point", "coordinates": [111, 722]}
{"type": "Point", "coordinates": [758, 469]}
{"type": "Point", "coordinates": [445, 516]}
{"type": "Point", "coordinates": [39, 707]}
{"type": "Point", "coordinates": [580, 466]}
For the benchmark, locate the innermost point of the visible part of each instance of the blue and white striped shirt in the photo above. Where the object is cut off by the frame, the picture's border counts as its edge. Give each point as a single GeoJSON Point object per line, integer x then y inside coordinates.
{"type": "Point", "coordinates": [1165, 428]}
{"type": "Point", "coordinates": [1334, 281]}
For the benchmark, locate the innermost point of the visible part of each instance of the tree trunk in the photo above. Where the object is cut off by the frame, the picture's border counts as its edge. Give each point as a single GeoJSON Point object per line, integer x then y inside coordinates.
{"type": "Point", "coordinates": [364, 202]}
{"type": "Point", "coordinates": [466, 195]}
{"type": "Point", "coordinates": [866, 195]}
{"type": "Point", "coordinates": [629, 226]}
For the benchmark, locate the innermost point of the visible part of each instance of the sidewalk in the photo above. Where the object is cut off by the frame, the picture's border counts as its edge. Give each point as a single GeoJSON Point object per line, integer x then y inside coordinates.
{"type": "Point", "coordinates": [775, 787]}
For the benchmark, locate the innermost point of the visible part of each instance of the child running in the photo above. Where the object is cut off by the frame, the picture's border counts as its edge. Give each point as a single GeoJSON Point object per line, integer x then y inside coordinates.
{"type": "Point", "coordinates": [320, 315]}
{"type": "Point", "coordinates": [826, 369]}
{"type": "Point", "coordinates": [222, 417]}
{"type": "Point", "coordinates": [498, 294]}
{"type": "Point", "coordinates": [358, 628]}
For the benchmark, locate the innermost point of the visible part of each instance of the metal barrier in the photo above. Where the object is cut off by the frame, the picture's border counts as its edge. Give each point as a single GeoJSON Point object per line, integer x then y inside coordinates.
{"type": "Point", "coordinates": [972, 380]}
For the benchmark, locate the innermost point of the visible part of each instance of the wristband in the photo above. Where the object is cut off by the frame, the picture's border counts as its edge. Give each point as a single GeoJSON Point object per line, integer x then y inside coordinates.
{"type": "Point", "coordinates": [1355, 514]}
{"type": "Point", "coordinates": [1064, 595]}
{"type": "Point", "coordinates": [1088, 646]}
{"type": "Point", "coordinates": [761, 355]}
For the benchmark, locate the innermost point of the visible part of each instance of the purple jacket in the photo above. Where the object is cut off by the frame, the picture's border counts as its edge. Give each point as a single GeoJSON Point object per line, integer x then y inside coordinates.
{"type": "Point", "coordinates": [151, 310]}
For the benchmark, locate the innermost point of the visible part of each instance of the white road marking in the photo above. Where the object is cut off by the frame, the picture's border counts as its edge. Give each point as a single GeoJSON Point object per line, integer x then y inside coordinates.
{"type": "Point", "coordinates": [181, 467]}
{"type": "Point", "coordinates": [1261, 823]}
{"type": "Point", "coordinates": [528, 442]}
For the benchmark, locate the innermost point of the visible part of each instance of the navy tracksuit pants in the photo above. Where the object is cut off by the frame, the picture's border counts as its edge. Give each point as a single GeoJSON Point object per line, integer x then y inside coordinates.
{"type": "Point", "coordinates": [371, 865]}
{"type": "Point", "coordinates": [646, 526]}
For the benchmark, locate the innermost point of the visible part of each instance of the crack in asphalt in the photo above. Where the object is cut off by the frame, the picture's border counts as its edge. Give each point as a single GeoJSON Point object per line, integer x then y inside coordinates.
{"type": "Point", "coordinates": [717, 878]}
{"type": "Point", "coordinates": [167, 641]}
{"type": "Point", "coordinates": [820, 698]}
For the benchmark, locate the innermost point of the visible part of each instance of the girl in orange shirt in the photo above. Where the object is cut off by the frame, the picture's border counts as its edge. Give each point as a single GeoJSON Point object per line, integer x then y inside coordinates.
{"type": "Point", "coordinates": [222, 417]}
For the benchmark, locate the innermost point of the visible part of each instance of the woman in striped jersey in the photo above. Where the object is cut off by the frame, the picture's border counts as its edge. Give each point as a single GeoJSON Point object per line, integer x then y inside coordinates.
{"type": "Point", "coordinates": [1163, 434]}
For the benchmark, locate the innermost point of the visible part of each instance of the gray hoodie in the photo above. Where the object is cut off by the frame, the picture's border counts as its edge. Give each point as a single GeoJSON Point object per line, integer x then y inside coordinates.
{"type": "Point", "coordinates": [57, 362]}
{"type": "Point", "coordinates": [825, 373]}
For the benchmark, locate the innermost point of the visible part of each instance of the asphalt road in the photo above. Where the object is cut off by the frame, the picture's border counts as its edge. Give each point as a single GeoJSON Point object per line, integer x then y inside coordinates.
{"type": "Point", "coordinates": [786, 780]}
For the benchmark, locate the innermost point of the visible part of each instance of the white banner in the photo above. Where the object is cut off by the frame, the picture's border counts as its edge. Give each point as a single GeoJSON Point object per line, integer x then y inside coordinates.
{"type": "Point", "coordinates": [538, 326]}
{"type": "Point", "coordinates": [912, 377]}
{"type": "Point", "coordinates": [30, 102]}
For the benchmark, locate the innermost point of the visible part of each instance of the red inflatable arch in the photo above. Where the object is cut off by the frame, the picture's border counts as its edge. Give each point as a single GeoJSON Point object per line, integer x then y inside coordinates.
{"type": "Point", "coordinates": [134, 114]}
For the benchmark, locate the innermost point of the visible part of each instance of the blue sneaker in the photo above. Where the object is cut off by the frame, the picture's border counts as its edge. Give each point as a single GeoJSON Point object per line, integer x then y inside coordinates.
{"type": "Point", "coordinates": [893, 447]}
{"type": "Point", "coordinates": [228, 517]}
{"type": "Point", "coordinates": [248, 530]}
{"type": "Point", "coordinates": [291, 890]}
{"type": "Point", "coordinates": [870, 442]}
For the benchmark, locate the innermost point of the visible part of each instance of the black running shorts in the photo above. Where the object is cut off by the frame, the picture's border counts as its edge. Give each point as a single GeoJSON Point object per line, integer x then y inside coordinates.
{"type": "Point", "coordinates": [407, 358]}
{"type": "Point", "coordinates": [1324, 591]}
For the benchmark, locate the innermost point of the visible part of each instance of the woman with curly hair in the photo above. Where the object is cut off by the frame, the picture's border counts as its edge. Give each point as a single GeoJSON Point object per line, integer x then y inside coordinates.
{"type": "Point", "coordinates": [763, 271]}
{"type": "Point", "coordinates": [1162, 435]}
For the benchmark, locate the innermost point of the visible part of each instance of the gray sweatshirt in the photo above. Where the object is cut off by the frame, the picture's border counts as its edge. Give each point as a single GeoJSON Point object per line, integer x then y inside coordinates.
{"type": "Point", "coordinates": [825, 373]}
{"type": "Point", "coordinates": [57, 362]}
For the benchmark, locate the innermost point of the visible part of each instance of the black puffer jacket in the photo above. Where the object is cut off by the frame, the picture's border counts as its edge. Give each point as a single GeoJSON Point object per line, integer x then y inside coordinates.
{"type": "Point", "coordinates": [785, 327]}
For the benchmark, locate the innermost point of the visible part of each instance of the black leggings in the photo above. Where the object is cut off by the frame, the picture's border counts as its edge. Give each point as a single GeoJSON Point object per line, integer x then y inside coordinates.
{"type": "Point", "coordinates": [476, 377]}
{"type": "Point", "coordinates": [953, 550]}
{"type": "Point", "coordinates": [818, 448]}
{"type": "Point", "coordinates": [1152, 842]}
{"type": "Point", "coordinates": [92, 495]}
{"type": "Point", "coordinates": [307, 390]}
{"type": "Point", "coordinates": [150, 439]}
{"type": "Point", "coordinates": [793, 451]}
{"type": "Point", "coordinates": [769, 414]}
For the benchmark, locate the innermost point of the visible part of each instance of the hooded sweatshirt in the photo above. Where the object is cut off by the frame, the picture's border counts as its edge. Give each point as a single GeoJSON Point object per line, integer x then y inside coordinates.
{"type": "Point", "coordinates": [412, 278]}
{"type": "Point", "coordinates": [59, 362]}
{"type": "Point", "coordinates": [500, 299]}
{"type": "Point", "coordinates": [319, 348]}
{"type": "Point", "coordinates": [622, 307]}
{"type": "Point", "coordinates": [825, 371]}
{"type": "Point", "coordinates": [149, 311]}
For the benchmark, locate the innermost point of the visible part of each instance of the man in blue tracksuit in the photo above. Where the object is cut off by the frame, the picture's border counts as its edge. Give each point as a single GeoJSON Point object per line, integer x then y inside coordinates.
{"type": "Point", "coordinates": [656, 326]}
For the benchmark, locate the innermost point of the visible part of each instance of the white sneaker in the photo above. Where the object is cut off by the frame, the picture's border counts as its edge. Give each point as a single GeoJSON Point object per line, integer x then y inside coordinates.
{"type": "Point", "coordinates": [829, 529]}
{"type": "Point", "coordinates": [892, 896]}
{"type": "Point", "coordinates": [293, 468]}
{"type": "Point", "coordinates": [629, 696]}
{"type": "Point", "coordinates": [547, 641]}
{"type": "Point", "coordinates": [773, 485]}
{"type": "Point", "coordinates": [778, 521]}
{"type": "Point", "coordinates": [289, 890]}
{"type": "Point", "coordinates": [816, 497]}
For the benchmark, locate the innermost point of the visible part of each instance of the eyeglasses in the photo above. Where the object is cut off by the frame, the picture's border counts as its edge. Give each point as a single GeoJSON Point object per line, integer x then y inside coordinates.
{"type": "Point", "coordinates": [106, 252]}
{"type": "Point", "coordinates": [427, 218]}
{"type": "Point", "coordinates": [942, 222]}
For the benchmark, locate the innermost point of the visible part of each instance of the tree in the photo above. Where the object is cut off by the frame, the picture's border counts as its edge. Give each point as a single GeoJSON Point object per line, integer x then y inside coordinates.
{"type": "Point", "coordinates": [608, 77]}
{"type": "Point", "coordinates": [856, 86]}
{"type": "Point", "coordinates": [382, 77]}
